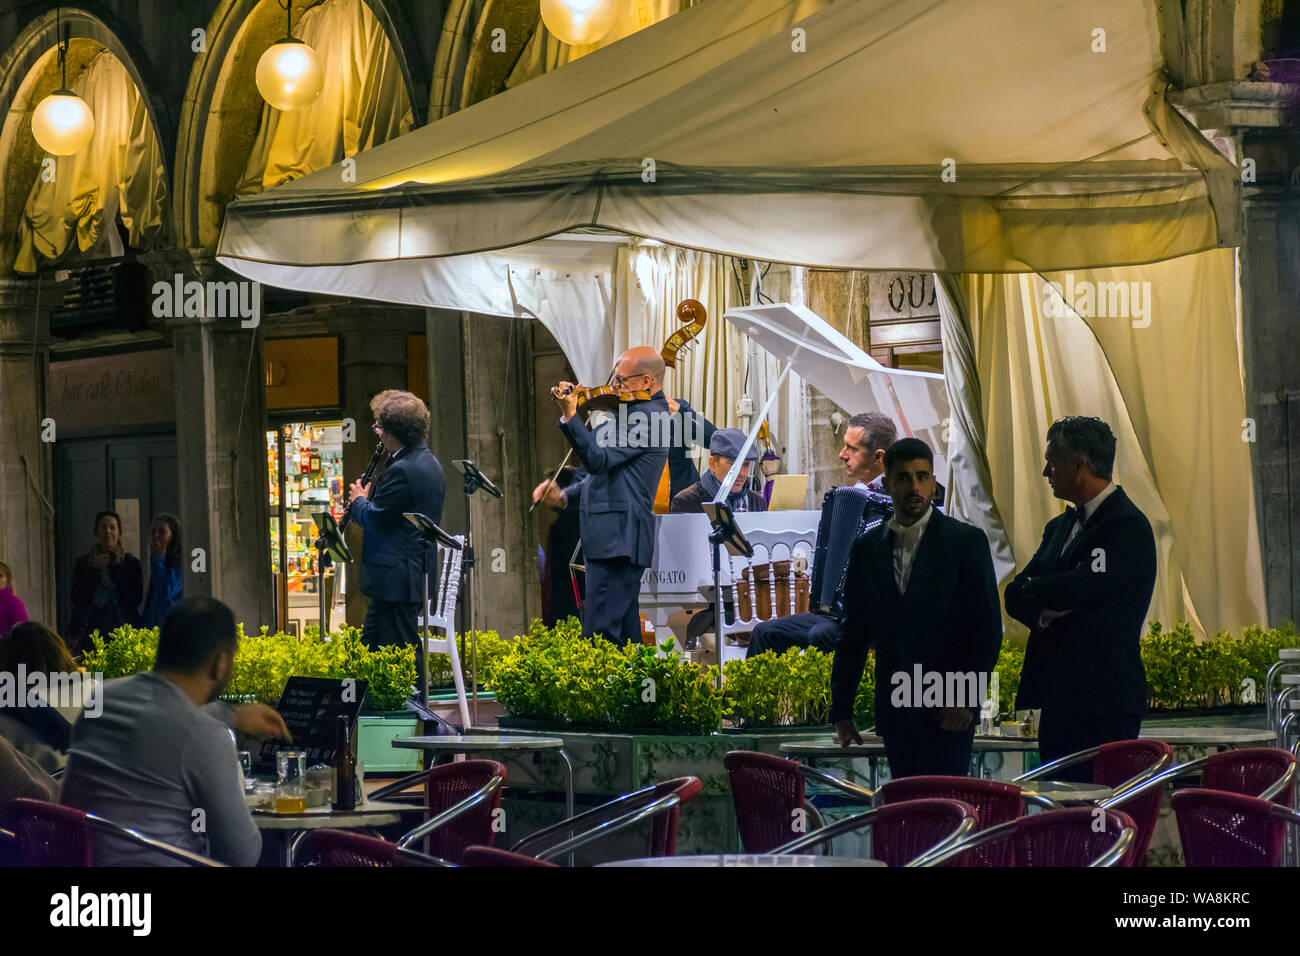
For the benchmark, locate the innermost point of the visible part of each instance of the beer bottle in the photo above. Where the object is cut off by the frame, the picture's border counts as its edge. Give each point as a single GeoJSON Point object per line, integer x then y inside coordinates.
{"type": "Point", "coordinates": [345, 769]}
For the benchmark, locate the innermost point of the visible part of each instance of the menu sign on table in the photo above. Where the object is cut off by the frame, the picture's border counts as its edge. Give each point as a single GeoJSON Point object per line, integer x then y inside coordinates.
{"type": "Point", "coordinates": [311, 707]}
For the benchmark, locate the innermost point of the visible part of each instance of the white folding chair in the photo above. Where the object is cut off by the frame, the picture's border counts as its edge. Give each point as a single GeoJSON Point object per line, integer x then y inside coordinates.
{"type": "Point", "coordinates": [441, 613]}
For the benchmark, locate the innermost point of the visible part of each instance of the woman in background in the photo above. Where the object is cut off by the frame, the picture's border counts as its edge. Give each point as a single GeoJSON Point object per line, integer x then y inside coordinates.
{"type": "Point", "coordinates": [12, 610]}
{"type": "Point", "coordinates": [42, 732]}
{"type": "Point", "coordinates": [166, 586]}
{"type": "Point", "coordinates": [107, 585]}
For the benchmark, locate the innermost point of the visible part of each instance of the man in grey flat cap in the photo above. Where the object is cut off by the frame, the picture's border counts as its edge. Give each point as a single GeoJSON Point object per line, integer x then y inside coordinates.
{"type": "Point", "coordinates": [724, 449]}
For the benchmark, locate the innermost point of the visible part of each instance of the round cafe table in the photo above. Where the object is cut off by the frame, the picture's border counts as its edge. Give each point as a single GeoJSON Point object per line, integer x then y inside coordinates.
{"type": "Point", "coordinates": [873, 748]}
{"type": "Point", "coordinates": [1064, 792]}
{"type": "Point", "coordinates": [744, 859]}
{"type": "Point", "coordinates": [289, 827]}
{"type": "Point", "coordinates": [1227, 737]}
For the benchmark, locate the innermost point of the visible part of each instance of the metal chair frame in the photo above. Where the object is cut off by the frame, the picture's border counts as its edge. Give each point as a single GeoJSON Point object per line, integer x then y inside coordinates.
{"type": "Point", "coordinates": [1130, 790]}
{"type": "Point", "coordinates": [1284, 813]}
{"type": "Point", "coordinates": [428, 826]}
{"type": "Point", "coordinates": [1069, 760]}
{"type": "Point", "coordinates": [858, 821]}
{"type": "Point", "coordinates": [97, 824]}
{"type": "Point", "coordinates": [601, 830]}
{"type": "Point", "coordinates": [1110, 857]}
{"type": "Point", "coordinates": [402, 856]}
{"type": "Point", "coordinates": [1287, 658]}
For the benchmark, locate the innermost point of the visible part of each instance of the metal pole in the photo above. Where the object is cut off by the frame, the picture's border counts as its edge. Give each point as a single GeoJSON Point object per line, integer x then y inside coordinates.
{"type": "Point", "coordinates": [424, 641]}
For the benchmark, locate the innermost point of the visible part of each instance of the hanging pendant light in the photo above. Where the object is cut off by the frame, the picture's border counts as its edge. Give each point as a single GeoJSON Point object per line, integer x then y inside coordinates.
{"type": "Point", "coordinates": [578, 22]}
{"type": "Point", "coordinates": [62, 123]}
{"type": "Point", "coordinates": [289, 74]}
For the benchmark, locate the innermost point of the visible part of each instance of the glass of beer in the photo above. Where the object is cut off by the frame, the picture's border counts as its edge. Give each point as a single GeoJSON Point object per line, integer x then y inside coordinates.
{"type": "Point", "coordinates": [291, 772]}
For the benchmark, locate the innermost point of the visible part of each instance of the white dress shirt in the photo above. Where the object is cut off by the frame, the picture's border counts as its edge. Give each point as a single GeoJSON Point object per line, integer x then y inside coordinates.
{"type": "Point", "coordinates": [907, 538]}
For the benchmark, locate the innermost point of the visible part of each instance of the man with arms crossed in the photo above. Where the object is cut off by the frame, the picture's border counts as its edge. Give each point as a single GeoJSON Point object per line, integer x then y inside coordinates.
{"type": "Point", "coordinates": [921, 590]}
{"type": "Point", "coordinates": [1084, 597]}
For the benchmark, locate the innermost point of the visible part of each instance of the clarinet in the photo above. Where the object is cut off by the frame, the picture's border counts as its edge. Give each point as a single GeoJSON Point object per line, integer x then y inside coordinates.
{"type": "Point", "coordinates": [365, 480]}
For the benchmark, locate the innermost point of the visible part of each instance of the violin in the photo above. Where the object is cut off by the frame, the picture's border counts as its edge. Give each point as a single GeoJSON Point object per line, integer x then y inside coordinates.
{"type": "Point", "coordinates": [693, 314]}
{"type": "Point", "coordinates": [603, 398]}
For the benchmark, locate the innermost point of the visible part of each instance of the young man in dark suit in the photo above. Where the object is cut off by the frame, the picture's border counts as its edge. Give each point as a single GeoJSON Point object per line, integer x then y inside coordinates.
{"type": "Point", "coordinates": [392, 556]}
{"type": "Point", "coordinates": [920, 589]}
{"type": "Point", "coordinates": [625, 459]}
{"type": "Point", "coordinates": [1084, 596]}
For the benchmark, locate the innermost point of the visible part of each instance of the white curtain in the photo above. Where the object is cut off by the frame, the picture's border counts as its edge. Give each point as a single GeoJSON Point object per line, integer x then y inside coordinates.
{"type": "Point", "coordinates": [120, 172]}
{"type": "Point", "coordinates": [362, 103]}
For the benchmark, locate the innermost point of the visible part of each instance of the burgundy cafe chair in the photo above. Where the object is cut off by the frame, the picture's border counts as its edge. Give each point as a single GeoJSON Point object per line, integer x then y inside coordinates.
{"type": "Point", "coordinates": [330, 848]}
{"type": "Point", "coordinates": [767, 793]}
{"type": "Point", "coordinates": [1065, 837]}
{"type": "Point", "coordinates": [995, 803]}
{"type": "Point", "coordinates": [47, 834]}
{"type": "Point", "coordinates": [1123, 766]}
{"type": "Point", "coordinates": [461, 799]}
{"type": "Point", "coordinates": [1218, 828]}
{"type": "Point", "coordinates": [902, 834]}
{"type": "Point", "coordinates": [658, 804]}
{"type": "Point", "coordinates": [487, 856]}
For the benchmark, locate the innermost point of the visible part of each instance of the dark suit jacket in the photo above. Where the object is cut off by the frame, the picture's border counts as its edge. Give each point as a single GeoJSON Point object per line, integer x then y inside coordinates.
{"type": "Point", "coordinates": [682, 472]}
{"type": "Point", "coordinates": [1087, 663]}
{"type": "Point", "coordinates": [392, 567]}
{"type": "Point", "coordinates": [948, 620]}
{"type": "Point", "coordinates": [617, 500]}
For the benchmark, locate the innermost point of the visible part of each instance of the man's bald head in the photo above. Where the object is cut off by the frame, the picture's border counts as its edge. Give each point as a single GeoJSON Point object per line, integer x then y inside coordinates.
{"type": "Point", "coordinates": [638, 362]}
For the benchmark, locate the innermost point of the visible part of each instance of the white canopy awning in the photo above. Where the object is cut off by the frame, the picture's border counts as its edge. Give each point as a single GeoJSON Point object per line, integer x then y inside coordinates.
{"type": "Point", "coordinates": [946, 135]}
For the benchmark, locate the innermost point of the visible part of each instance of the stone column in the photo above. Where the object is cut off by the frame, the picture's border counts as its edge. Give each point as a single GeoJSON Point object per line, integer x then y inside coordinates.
{"type": "Point", "coordinates": [221, 454]}
{"type": "Point", "coordinates": [26, 483]}
{"type": "Point", "coordinates": [1255, 123]}
{"type": "Point", "coordinates": [481, 390]}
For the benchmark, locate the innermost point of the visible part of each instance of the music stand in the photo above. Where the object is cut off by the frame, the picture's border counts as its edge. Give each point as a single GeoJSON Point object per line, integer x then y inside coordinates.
{"type": "Point", "coordinates": [330, 547]}
{"type": "Point", "coordinates": [473, 481]}
{"type": "Point", "coordinates": [725, 533]}
{"type": "Point", "coordinates": [430, 534]}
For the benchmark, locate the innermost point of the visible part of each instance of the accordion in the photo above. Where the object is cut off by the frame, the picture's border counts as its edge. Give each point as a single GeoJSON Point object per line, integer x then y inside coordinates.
{"type": "Point", "coordinates": [847, 514]}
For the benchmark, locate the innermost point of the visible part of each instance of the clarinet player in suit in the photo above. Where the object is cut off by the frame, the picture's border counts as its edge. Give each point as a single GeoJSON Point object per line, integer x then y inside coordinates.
{"type": "Point", "coordinates": [920, 588]}
{"type": "Point", "coordinates": [1084, 597]}
{"type": "Point", "coordinates": [392, 557]}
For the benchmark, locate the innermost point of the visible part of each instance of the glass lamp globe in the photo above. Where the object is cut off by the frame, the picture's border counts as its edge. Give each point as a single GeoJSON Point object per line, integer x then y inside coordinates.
{"type": "Point", "coordinates": [578, 21]}
{"type": "Point", "coordinates": [289, 75]}
{"type": "Point", "coordinates": [62, 123]}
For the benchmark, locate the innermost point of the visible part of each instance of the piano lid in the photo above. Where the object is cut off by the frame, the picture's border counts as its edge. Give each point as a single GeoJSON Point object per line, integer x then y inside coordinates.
{"type": "Point", "coordinates": [852, 379]}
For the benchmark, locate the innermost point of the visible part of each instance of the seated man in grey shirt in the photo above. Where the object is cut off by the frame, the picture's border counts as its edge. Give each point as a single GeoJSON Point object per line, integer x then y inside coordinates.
{"type": "Point", "coordinates": [160, 759]}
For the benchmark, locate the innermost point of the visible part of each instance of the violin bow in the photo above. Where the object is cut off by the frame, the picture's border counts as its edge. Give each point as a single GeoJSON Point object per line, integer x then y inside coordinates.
{"type": "Point", "coordinates": [550, 481]}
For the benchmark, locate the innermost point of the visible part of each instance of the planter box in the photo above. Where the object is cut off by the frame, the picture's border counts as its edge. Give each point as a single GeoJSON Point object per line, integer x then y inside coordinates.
{"type": "Point", "coordinates": [375, 742]}
{"type": "Point", "coordinates": [607, 765]}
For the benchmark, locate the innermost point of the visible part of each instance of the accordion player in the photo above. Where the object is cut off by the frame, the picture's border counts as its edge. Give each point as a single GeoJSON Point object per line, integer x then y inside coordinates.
{"type": "Point", "coordinates": [847, 514]}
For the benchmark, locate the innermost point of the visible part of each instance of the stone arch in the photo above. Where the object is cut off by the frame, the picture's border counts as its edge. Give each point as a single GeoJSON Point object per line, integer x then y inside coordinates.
{"type": "Point", "coordinates": [27, 75]}
{"type": "Point", "coordinates": [222, 108]}
{"type": "Point", "coordinates": [467, 69]}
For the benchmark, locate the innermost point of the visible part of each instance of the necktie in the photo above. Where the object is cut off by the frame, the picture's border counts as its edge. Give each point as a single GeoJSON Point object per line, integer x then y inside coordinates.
{"type": "Point", "coordinates": [1076, 522]}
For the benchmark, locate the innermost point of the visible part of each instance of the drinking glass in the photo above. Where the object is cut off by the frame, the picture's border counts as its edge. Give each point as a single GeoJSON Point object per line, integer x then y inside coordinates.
{"type": "Point", "coordinates": [246, 765]}
{"type": "Point", "coordinates": [291, 769]}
